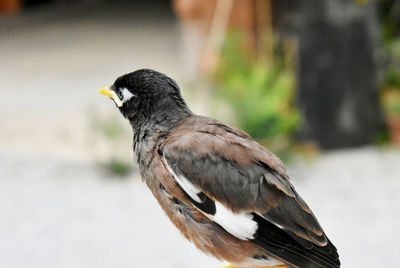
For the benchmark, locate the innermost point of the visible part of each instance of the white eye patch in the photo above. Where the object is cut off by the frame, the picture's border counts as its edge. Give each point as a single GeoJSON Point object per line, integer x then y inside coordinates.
{"type": "Point", "coordinates": [126, 94]}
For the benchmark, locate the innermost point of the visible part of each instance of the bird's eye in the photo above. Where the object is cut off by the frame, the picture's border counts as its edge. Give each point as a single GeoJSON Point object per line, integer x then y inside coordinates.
{"type": "Point", "coordinates": [120, 94]}
{"type": "Point", "coordinates": [124, 94]}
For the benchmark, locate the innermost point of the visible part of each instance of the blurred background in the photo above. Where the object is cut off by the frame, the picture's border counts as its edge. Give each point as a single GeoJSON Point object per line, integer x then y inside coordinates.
{"type": "Point", "coordinates": [315, 81]}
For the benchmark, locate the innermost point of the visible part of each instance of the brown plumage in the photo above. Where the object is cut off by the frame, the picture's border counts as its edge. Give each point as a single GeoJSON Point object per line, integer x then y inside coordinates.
{"type": "Point", "coordinates": [226, 193]}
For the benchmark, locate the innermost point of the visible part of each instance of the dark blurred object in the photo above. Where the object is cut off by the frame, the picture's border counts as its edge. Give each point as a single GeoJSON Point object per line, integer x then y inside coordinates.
{"type": "Point", "coordinates": [389, 12]}
{"type": "Point", "coordinates": [14, 6]}
{"type": "Point", "coordinates": [10, 6]}
{"type": "Point", "coordinates": [337, 70]}
{"type": "Point", "coordinates": [28, 3]}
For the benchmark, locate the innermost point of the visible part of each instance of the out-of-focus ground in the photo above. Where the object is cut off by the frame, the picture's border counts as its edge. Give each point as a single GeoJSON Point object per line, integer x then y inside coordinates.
{"type": "Point", "coordinates": [58, 212]}
{"type": "Point", "coordinates": [55, 59]}
{"type": "Point", "coordinates": [58, 209]}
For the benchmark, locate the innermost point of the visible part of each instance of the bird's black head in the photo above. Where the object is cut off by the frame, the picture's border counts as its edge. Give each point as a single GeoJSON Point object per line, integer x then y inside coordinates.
{"type": "Point", "coordinates": [146, 96]}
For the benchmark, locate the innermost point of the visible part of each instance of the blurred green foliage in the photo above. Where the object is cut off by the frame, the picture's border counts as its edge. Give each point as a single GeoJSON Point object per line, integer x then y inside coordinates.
{"type": "Point", "coordinates": [391, 102]}
{"type": "Point", "coordinates": [361, 2]}
{"type": "Point", "coordinates": [118, 167]}
{"type": "Point", "coordinates": [261, 92]}
{"type": "Point", "coordinates": [389, 12]}
{"type": "Point", "coordinates": [392, 71]}
{"type": "Point", "coordinates": [390, 87]}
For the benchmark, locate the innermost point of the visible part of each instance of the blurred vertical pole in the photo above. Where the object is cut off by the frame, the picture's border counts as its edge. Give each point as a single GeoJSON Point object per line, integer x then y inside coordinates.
{"type": "Point", "coordinates": [195, 21]}
{"type": "Point", "coordinates": [264, 30]}
{"type": "Point", "coordinates": [337, 69]}
{"type": "Point", "coordinates": [216, 36]}
{"type": "Point", "coordinates": [205, 24]}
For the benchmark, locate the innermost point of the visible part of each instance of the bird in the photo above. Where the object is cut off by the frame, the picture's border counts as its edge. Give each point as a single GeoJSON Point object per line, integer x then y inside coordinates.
{"type": "Point", "coordinates": [225, 192]}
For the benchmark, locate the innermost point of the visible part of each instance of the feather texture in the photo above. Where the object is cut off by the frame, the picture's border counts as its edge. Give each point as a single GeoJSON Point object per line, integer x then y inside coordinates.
{"type": "Point", "coordinates": [229, 167]}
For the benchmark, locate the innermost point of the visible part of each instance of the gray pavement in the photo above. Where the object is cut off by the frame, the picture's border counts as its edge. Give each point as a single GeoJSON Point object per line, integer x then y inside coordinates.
{"type": "Point", "coordinates": [58, 209]}
{"type": "Point", "coordinates": [354, 194]}
{"type": "Point", "coordinates": [58, 212]}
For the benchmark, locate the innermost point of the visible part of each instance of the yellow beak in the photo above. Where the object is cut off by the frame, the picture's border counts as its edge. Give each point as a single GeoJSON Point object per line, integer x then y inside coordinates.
{"type": "Point", "coordinates": [110, 93]}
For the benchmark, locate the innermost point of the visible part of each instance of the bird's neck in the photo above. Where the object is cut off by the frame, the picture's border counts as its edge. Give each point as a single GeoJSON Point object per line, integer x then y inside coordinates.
{"type": "Point", "coordinates": [150, 132]}
{"type": "Point", "coordinates": [159, 122]}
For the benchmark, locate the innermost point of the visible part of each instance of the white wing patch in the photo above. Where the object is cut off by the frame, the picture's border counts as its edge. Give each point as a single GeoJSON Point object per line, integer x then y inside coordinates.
{"type": "Point", "coordinates": [240, 225]}
{"type": "Point", "coordinates": [186, 185]}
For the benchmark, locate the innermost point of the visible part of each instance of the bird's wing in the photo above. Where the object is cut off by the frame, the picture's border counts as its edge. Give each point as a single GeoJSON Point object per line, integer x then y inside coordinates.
{"type": "Point", "coordinates": [242, 176]}
{"type": "Point", "coordinates": [234, 181]}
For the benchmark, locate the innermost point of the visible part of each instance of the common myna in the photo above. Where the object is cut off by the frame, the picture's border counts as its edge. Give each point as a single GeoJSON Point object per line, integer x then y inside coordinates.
{"type": "Point", "coordinates": [225, 192]}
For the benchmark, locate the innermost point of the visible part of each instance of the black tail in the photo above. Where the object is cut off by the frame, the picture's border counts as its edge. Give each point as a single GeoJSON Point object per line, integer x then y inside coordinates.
{"type": "Point", "coordinates": [293, 249]}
